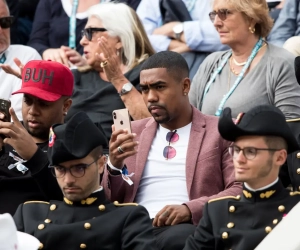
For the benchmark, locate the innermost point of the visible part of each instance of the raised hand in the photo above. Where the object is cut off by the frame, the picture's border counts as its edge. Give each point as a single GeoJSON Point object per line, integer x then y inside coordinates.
{"type": "Point", "coordinates": [9, 70]}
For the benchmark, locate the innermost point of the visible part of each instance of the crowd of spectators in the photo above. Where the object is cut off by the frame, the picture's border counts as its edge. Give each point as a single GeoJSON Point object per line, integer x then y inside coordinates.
{"type": "Point", "coordinates": [175, 66]}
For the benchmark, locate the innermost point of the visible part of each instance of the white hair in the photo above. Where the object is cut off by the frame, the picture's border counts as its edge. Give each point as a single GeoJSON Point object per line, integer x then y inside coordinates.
{"type": "Point", "coordinates": [119, 22]}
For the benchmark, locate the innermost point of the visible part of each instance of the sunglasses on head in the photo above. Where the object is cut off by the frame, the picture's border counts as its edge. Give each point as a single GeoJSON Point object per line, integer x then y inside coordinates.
{"type": "Point", "coordinates": [222, 14]}
{"type": "Point", "coordinates": [88, 32]}
{"type": "Point", "coordinates": [6, 22]}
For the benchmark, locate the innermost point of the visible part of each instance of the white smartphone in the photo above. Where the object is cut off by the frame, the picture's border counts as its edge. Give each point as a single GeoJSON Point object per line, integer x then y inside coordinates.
{"type": "Point", "coordinates": [122, 119]}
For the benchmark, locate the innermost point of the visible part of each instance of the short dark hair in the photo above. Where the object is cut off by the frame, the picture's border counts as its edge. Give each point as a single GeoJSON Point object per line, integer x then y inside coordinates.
{"type": "Point", "coordinates": [173, 62]}
{"type": "Point", "coordinates": [97, 152]}
{"type": "Point", "coordinates": [275, 142]}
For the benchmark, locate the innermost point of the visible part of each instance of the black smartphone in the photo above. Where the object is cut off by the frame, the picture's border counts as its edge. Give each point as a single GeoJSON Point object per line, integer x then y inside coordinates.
{"type": "Point", "coordinates": [4, 109]}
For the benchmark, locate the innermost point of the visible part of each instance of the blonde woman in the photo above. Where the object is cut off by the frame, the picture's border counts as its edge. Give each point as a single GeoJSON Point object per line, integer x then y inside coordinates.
{"type": "Point", "coordinates": [252, 72]}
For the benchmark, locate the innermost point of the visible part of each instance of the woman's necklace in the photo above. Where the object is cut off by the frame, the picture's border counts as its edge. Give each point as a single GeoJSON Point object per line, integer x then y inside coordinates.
{"type": "Point", "coordinates": [243, 63]}
{"type": "Point", "coordinates": [239, 64]}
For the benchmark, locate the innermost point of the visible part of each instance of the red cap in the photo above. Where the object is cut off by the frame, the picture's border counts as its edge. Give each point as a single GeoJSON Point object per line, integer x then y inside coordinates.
{"type": "Point", "coordinates": [47, 80]}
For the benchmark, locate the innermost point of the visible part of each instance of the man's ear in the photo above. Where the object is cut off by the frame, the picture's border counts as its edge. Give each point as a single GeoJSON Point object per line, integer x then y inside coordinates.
{"type": "Point", "coordinates": [281, 157]}
{"type": "Point", "coordinates": [101, 164]}
{"type": "Point", "coordinates": [67, 105]}
{"type": "Point", "coordinates": [186, 85]}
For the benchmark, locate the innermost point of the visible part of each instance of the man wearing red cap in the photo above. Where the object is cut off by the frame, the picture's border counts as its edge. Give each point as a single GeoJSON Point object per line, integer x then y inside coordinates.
{"type": "Point", "coordinates": [47, 87]}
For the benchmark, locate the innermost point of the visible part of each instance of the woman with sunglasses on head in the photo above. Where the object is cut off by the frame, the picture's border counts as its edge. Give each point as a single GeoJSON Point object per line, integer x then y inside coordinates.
{"type": "Point", "coordinates": [252, 72]}
{"type": "Point", "coordinates": [115, 46]}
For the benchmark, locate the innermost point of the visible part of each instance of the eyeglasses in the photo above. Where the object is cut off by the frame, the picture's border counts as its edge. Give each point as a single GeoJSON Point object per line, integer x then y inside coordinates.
{"type": "Point", "coordinates": [222, 14]}
{"type": "Point", "coordinates": [76, 171]}
{"type": "Point", "coordinates": [88, 32]}
{"type": "Point", "coordinates": [170, 152]}
{"type": "Point", "coordinates": [249, 152]}
{"type": "Point", "coordinates": [6, 22]}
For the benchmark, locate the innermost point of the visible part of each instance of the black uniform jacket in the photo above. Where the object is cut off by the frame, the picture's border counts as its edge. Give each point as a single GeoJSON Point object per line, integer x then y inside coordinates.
{"type": "Point", "coordinates": [241, 223]}
{"type": "Point", "coordinates": [290, 172]}
{"type": "Point", "coordinates": [36, 183]}
{"type": "Point", "coordinates": [93, 223]}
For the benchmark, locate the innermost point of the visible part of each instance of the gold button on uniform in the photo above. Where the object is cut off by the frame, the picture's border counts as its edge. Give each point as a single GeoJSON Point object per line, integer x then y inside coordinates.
{"type": "Point", "coordinates": [41, 226]}
{"type": "Point", "coordinates": [275, 221]}
{"type": "Point", "coordinates": [281, 208]}
{"type": "Point", "coordinates": [298, 155]}
{"type": "Point", "coordinates": [298, 170]}
{"type": "Point", "coordinates": [231, 209]}
{"type": "Point", "coordinates": [52, 207]}
{"type": "Point", "coordinates": [82, 246]}
{"type": "Point", "coordinates": [87, 225]}
{"type": "Point", "coordinates": [268, 229]}
{"type": "Point", "coordinates": [47, 221]}
{"type": "Point", "coordinates": [230, 225]}
{"type": "Point", "coordinates": [224, 235]}
{"type": "Point", "coordinates": [101, 207]}
{"type": "Point", "coordinates": [41, 246]}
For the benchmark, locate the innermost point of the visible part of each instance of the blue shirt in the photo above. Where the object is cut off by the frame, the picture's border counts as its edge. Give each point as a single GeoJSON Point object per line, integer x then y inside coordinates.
{"type": "Point", "coordinates": [200, 34]}
{"type": "Point", "coordinates": [287, 24]}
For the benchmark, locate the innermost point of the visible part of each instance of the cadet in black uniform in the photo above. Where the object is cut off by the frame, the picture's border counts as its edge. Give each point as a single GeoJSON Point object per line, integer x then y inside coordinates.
{"type": "Point", "coordinates": [84, 219]}
{"type": "Point", "coordinates": [262, 140]}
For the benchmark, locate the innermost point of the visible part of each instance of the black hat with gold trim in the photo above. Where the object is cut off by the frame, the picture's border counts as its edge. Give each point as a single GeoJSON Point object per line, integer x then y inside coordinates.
{"type": "Point", "coordinates": [265, 120]}
{"type": "Point", "coordinates": [74, 139]}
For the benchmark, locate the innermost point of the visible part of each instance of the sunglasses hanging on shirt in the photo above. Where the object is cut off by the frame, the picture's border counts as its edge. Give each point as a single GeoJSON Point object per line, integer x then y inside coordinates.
{"type": "Point", "coordinates": [169, 151]}
{"type": "Point", "coordinates": [6, 22]}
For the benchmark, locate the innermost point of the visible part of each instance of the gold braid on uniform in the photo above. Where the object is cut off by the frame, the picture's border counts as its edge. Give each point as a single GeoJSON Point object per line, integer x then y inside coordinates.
{"type": "Point", "coordinates": [294, 193]}
{"type": "Point", "coordinates": [267, 194]}
{"type": "Point", "coordinates": [117, 204]}
{"type": "Point", "coordinates": [225, 197]}
{"type": "Point", "coordinates": [44, 202]}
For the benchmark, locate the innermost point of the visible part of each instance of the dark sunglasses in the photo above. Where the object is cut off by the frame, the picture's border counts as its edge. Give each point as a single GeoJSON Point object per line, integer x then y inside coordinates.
{"type": "Point", "coordinates": [170, 152]}
{"type": "Point", "coordinates": [222, 14]}
{"type": "Point", "coordinates": [88, 32]}
{"type": "Point", "coordinates": [6, 22]}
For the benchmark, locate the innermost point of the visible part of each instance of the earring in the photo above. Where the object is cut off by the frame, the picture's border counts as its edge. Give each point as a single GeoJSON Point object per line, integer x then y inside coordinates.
{"type": "Point", "coordinates": [118, 53]}
{"type": "Point", "coordinates": [65, 113]}
{"type": "Point", "coordinates": [252, 30]}
{"type": "Point", "coordinates": [184, 93]}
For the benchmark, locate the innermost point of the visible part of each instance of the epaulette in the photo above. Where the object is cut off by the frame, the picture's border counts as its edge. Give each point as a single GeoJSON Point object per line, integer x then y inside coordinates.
{"type": "Point", "coordinates": [238, 197]}
{"type": "Point", "coordinates": [117, 204]}
{"type": "Point", "coordinates": [293, 120]}
{"type": "Point", "coordinates": [294, 193]}
{"type": "Point", "coordinates": [44, 202]}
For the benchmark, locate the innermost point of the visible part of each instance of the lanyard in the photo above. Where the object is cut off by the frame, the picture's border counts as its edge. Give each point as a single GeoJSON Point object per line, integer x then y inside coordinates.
{"type": "Point", "coordinates": [3, 59]}
{"type": "Point", "coordinates": [72, 25]}
{"type": "Point", "coordinates": [237, 81]}
{"type": "Point", "coordinates": [190, 5]}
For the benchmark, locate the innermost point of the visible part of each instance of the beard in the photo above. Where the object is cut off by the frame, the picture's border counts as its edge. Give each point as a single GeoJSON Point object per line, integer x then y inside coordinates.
{"type": "Point", "coordinates": [40, 133]}
{"type": "Point", "coordinates": [162, 116]}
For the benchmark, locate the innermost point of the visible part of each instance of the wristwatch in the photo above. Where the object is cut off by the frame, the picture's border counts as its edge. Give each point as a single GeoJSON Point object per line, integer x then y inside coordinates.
{"type": "Point", "coordinates": [126, 88]}
{"type": "Point", "coordinates": [178, 29]}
